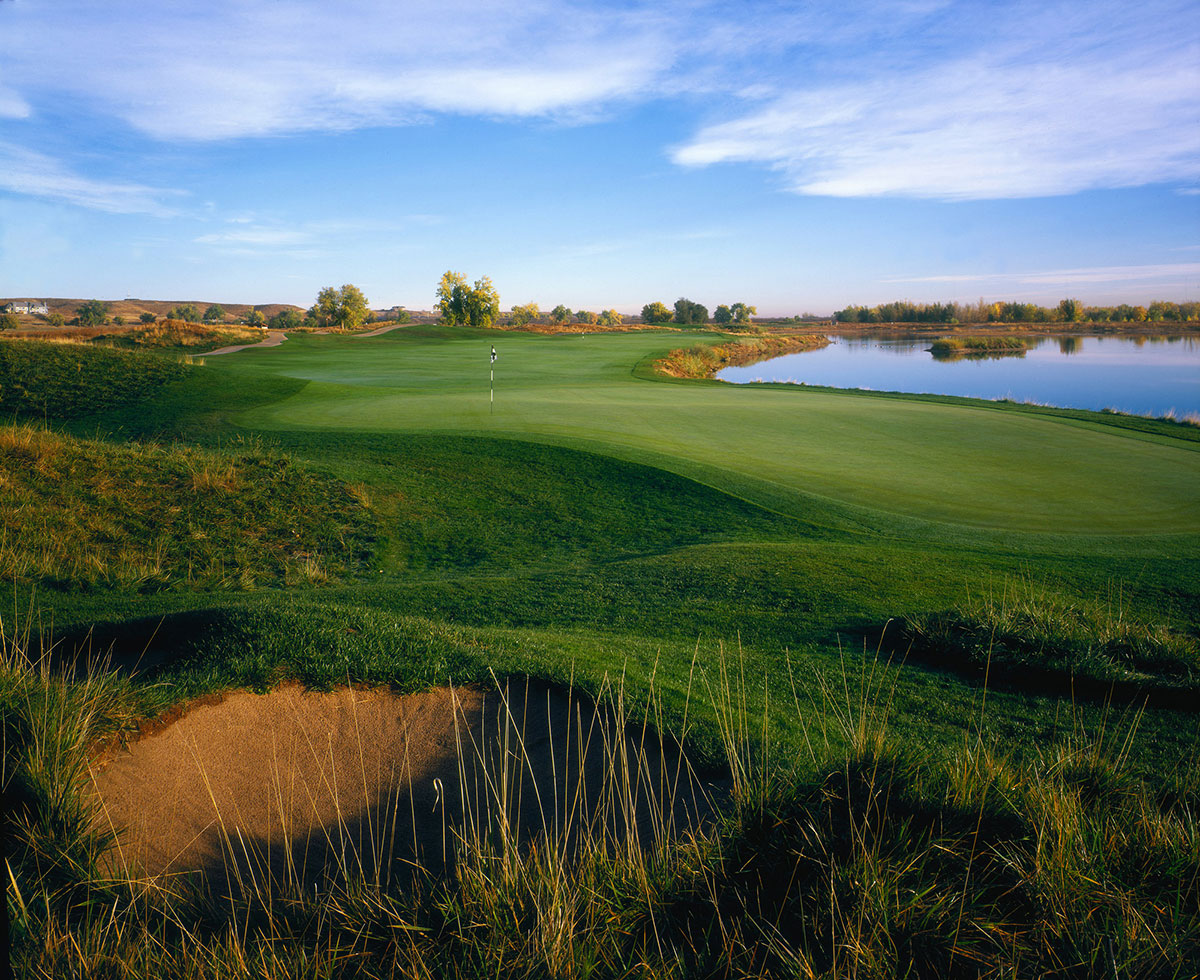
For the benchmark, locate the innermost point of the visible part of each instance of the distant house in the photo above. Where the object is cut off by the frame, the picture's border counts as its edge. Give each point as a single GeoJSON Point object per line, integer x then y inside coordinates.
{"type": "Point", "coordinates": [31, 306]}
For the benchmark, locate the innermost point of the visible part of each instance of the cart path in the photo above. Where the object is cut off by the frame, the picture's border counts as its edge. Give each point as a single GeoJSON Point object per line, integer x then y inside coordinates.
{"type": "Point", "coordinates": [274, 339]}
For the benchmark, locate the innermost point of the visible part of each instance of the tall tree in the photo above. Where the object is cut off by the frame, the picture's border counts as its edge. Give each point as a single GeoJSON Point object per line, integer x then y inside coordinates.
{"type": "Point", "coordinates": [722, 314]}
{"type": "Point", "coordinates": [688, 312]}
{"type": "Point", "coordinates": [655, 313]}
{"type": "Point", "coordinates": [1070, 311]}
{"type": "Point", "coordinates": [342, 309]}
{"type": "Point", "coordinates": [214, 313]}
{"type": "Point", "coordinates": [742, 312]}
{"type": "Point", "coordinates": [477, 306]}
{"type": "Point", "coordinates": [560, 314]}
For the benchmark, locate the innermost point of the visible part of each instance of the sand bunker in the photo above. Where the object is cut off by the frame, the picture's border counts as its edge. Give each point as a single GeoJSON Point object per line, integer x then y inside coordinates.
{"type": "Point", "coordinates": [294, 788]}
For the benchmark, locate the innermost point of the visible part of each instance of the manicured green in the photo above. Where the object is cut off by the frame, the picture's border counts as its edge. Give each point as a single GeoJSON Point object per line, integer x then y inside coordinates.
{"type": "Point", "coordinates": [964, 464]}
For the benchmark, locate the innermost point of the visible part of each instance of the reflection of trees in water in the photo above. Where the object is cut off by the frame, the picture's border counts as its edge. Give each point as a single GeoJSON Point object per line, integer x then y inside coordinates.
{"type": "Point", "coordinates": [1070, 345]}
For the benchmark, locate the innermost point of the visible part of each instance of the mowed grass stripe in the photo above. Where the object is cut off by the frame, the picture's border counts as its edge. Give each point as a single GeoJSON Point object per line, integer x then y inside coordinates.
{"type": "Point", "coordinates": [960, 464]}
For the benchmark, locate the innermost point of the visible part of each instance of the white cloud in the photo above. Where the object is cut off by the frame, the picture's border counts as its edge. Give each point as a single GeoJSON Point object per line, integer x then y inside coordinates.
{"type": "Point", "coordinates": [946, 99]}
{"type": "Point", "coordinates": [1039, 108]}
{"type": "Point", "coordinates": [233, 68]}
{"type": "Point", "coordinates": [24, 171]}
{"type": "Point", "coordinates": [259, 237]}
{"type": "Point", "coordinates": [12, 106]}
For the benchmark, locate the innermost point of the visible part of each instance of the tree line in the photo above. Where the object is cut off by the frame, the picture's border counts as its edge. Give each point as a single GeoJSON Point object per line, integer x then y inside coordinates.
{"type": "Point", "coordinates": [1067, 311]}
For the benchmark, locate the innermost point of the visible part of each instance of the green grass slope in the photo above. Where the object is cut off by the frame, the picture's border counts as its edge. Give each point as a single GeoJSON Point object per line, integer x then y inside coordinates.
{"type": "Point", "coordinates": [962, 464]}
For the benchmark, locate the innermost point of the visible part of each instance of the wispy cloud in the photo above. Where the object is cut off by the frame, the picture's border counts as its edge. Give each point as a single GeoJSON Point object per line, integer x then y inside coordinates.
{"type": "Point", "coordinates": [945, 99]}
{"type": "Point", "coordinates": [12, 106]}
{"type": "Point", "coordinates": [230, 68]}
{"type": "Point", "coordinates": [24, 171]}
{"type": "Point", "coordinates": [1048, 103]}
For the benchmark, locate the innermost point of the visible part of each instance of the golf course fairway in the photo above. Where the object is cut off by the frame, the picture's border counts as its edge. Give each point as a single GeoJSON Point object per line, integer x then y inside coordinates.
{"type": "Point", "coordinates": [965, 463]}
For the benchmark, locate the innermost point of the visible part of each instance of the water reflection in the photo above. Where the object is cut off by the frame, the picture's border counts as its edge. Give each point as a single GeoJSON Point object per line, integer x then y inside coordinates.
{"type": "Point", "coordinates": [1141, 375]}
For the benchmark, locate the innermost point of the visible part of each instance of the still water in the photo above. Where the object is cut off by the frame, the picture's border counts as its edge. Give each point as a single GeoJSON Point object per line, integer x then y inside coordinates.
{"type": "Point", "coordinates": [1142, 375]}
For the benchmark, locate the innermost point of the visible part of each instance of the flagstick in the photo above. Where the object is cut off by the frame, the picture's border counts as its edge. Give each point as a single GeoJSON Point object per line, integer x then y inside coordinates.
{"type": "Point", "coordinates": [492, 394]}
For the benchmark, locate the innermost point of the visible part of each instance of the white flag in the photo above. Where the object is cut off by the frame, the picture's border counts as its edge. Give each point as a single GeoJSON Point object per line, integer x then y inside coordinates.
{"type": "Point", "coordinates": [494, 355]}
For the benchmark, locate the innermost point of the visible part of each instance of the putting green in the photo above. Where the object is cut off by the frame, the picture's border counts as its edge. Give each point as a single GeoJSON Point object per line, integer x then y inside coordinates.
{"type": "Point", "coordinates": [963, 464]}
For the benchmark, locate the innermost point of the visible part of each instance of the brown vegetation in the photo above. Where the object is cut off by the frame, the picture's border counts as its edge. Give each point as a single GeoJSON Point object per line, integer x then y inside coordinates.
{"type": "Point", "coordinates": [705, 360]}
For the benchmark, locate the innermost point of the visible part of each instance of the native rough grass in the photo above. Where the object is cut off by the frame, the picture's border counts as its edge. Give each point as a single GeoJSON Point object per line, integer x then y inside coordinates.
{"type": "Point", "coordinates": [82, 514]}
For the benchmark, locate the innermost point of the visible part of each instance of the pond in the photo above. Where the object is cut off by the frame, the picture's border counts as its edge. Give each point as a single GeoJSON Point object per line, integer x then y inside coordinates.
{"type": "Point", "coordinates": [1140, 375]}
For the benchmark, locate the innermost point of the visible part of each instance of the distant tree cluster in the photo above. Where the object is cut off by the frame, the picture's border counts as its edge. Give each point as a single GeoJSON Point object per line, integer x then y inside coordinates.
{"type": "Point", "coordinates": [476, 306]}
{"type": "Point", "coordinates": [1069, 310]}
{"type": "Point", "coordinates": [286, 320]}
{"type": "Point", "coordinates": [185, 311]}
{"type": "Point", "coordinates": [340, 309]}
{"type": "Point", "coordinates": [688, 312]}
{"type": "Point", "coordinates": [9, 321]}
{"type": "Point", "coordinates": [522, 316]}
{"type": "Point", "coordinates": [737, 313]}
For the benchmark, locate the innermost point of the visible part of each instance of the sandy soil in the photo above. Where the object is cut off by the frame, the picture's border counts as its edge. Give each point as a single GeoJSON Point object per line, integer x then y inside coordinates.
{"type": "Point", "coordinates": [299, 789]}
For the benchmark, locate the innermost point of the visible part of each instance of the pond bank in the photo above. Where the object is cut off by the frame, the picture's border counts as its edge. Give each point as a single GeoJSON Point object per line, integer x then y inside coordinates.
{"type": "Point", "coordinates": [704, 360]}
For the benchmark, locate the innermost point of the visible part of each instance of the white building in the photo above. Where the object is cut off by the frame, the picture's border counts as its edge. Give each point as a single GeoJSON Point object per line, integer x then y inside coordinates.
{"type": "Point", "coordinates": [32, 306]}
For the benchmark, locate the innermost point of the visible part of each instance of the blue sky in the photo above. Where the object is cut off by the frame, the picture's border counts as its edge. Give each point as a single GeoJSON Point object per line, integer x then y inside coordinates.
{"type": "Point", "coordinates": [796, 156]}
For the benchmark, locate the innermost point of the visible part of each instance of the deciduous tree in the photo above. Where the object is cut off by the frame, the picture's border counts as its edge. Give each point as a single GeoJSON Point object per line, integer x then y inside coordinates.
{"type": "Point", "coordinates": [1070, 311]}
{"type": "Point", "coordinates": [477, 306]}
{"type": "Point", "coordinates": [722, 314]}
{"type": "Point", "coordinates": [742, 312]}
{"type": "Point", "coordinates": [213, 314]}
{"type": "Point", "coordinates": [560, 314]}
{"type": "Point", "coordinates": [655, 313]}
{"type": "Point", "coordinates": [286, 320]}
{"type": "Point", "coordinates": [688, 312]}
{"type": "Point", "coordinates": [186, 312]}
{"type": "Point", "coordinates": [610, 318]}
{"type": "Point", "coordinates": [522, 316]}
{"type": "Point", "coordinates": [92, 313]}
{"type": "Point", "coordinates": [254, 318]}
{"type": "Point", "coordinates": [341, 309]}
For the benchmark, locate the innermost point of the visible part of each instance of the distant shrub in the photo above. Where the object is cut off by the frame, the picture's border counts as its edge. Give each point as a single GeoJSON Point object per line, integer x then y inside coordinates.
{"type": "Point", "coordinates": [8, 321]}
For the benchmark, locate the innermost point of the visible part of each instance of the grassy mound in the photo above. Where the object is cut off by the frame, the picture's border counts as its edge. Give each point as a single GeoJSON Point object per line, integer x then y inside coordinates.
{"type": "Point", "coordinates": [169, 334]}
{"type": "Point", "coordinates": [82, 513]}
{"type": "Point", "coordinates": [1045, 640]}
{"type": "Point", "coordinates": [63, 381]}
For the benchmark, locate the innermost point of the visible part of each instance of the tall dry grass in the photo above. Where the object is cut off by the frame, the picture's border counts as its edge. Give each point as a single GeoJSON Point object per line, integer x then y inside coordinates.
{"type": "Point", "coordinates": [864, 860]}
